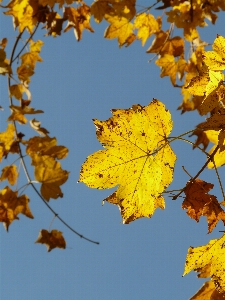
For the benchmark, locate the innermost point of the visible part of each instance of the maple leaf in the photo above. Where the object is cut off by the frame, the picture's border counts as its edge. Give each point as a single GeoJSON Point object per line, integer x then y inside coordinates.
{"type": "Point", "coordinates": [10, 173]}
{"type": "Point", "coordinates": [212, 254]}
{"type": "Point", "coordinates": [168, 67]}
{"type": "Point", "coordinates": [201, 138]}
{"type": "Point", "coordinates": [79, 19]}
{"type": "Point", "coordinates": [53, 239]}
{"type": "Point", "coordinates": [138, 158]}
{"type": "Point", "coordinates": [17, 91]}
{"type": "Point", "coordinates": [46, 146]}
{"type": "Point", "coordinates": [215, 59]}
{"type": "Point", "coordinates": [146, 25]}
{"type": "Point", "coordinates": [51, 179]}
{"type": "Point", "coordinates": [24, 13]}
{"type": "Point", "coordinates": [11, 205]}
{"type": "Point", "coordinates": [7, 138]}
{"type": "Point", "coordinates": [199, 203]}
{"type": "Point", "coordinates": [119, 28]}
{"type": "Point", "coordinates": [215, 137]}
{"type": "Point", "coordinates": [18, 113]}
{"type": "Point", "coordinates": [4, 65]}
{"type": "Point", "coordinates": [162, 44]}
{"type": "Point", "coordinates": [207, 292]}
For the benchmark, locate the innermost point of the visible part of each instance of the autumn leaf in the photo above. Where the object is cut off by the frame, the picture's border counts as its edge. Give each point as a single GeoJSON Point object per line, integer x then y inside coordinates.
{"type": "Point", "coordinates": [79, 19]}
{"type": "Point", "coordinates": [119, 28]}
{"type": "Point", "coordinates": [138, 158]}
{"type": "Point", "coordinates": [51, 179]}
{"type": "Point", "coordinates": [168, 67]}
{"type": "Point", "coordinates": [219, 157]}
{"type": "Point", "coordinates": [215, 59]}
{"type": "Point", "coordinates": [7, 138]}
{"type": "Point", "coordinates": [24, 13]}
{"type": "Point", "coordinates": [146, 25]}
{"type": "Point", "coordinates": [10, 173]}
{"type": "Point", "coordinates": [53, 239]}
{"type": "Point", "coordinates": [11, 205]}
{"type": "Point", "coordinates": [162, 44]}
{"type": "Point", "coordinates": [4, 65]}
{"type": "Point", "coordinates": [201, 138]}
{"type": "Point", "coordinates": [207, 292]}
{"type": "Point", "coordinates": [46, 146]}
{"type": "Point", "coordinates": [17, 91]}
{"type": "Point", "coordinates": [199, 203]}
{"type": "Point", "coordinates": [212, 253]}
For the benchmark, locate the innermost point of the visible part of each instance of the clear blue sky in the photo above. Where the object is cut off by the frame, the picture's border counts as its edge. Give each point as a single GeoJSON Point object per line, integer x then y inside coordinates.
{"type": "Point", "coordinates": [144, 260]}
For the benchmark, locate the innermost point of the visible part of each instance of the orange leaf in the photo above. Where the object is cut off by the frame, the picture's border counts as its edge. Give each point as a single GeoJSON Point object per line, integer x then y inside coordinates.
{"type": "Point", "coordinates": [200, 203]}
{"type": "Point", "coordinates": [53, 239]}
{"type": "Point", "coordinates": [11, 205]}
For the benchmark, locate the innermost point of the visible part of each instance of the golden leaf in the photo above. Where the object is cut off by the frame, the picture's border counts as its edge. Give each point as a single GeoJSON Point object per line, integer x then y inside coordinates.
{"type": "Point", "coordinates": [168, 67]}
{"type": "Point", "coordinates": [79, 19]}
{"type": "Point", "coordinates": [30, 58]}
{"type": "Point", "coordinates": [146, 25]}
{"type": "Point", "coordinates": [212, 253]}
{"type": "Point", "coordinates": [10, 173]}
{"type": "Point", "coordinates": [4, 65]}
{"type": "Point", "coordinates": [53, 239]}
{"type": "Point", "coordinates": [51, 179]}
{"type": "Point", "coordinates": [138, 158]}
{"type": "Point", "coordinates": [215, 60]}
{"type": "Point", "coordinates": [119, 28]}
{"type": "Point", "coordinates": [11, 205]}
{"type": "Point", "coordinates": [7, 138]}
{"type": "Point", "coordinates": [207, 292]}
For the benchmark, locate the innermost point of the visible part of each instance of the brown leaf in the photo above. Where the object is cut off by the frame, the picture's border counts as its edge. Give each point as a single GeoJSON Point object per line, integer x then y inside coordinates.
{"type": "Point", "coordinates": [53, 239]}
{"type": "Point", "coordinates": [199, 203]}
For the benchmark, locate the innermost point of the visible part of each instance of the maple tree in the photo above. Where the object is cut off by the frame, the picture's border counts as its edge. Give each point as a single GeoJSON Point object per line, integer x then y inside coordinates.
{"type": "Point", "coordinates": [137, 155]}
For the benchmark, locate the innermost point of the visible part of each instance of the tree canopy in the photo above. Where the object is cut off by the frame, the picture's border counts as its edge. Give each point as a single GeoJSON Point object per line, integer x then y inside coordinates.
{"type": "Point", "coordinates": [137, 156]}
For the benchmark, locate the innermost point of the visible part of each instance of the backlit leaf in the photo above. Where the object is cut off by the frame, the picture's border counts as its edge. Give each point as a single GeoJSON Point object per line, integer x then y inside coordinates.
{"type": "Point", "coordinates": [138, 158]}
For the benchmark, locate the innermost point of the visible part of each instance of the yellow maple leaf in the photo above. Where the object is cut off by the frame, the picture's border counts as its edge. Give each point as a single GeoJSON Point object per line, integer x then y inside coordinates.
{"type": "Point", "coordinates": [146, 25]}
{"type": "Point", "coordinates": [119, 28]}
{"type": "Point", "coordinates": [11, 205]}
{"type": "Point", "coordinates": [168, 67]}
{"type": "Point", "coordinates": [53, 239]}
{"type": "Point", "coordinates": [24, 13]}
{"type": "Point", "coordinates": [219, 157]}
{"type": "Point", "coordinates": [51, 179]}
{"type": "Point", "coordinates": [36, 46]}
{"type": "Point", "coordinates": [212, 253]}
{"type": "Point", "coordinates": [215, 60]}
{"type": "Point", "coordinates": [7, 138]}
{"type": "Point", "coordinates": [138, 158]}
{"type": "Point", "coordinates": [10, 173]}
{"type": "Point", "coordinates": [30, 59]}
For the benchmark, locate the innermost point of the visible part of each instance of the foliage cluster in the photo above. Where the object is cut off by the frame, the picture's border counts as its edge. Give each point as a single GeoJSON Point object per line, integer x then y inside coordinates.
{"type": "Point", "coordinates": [137, 155]}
